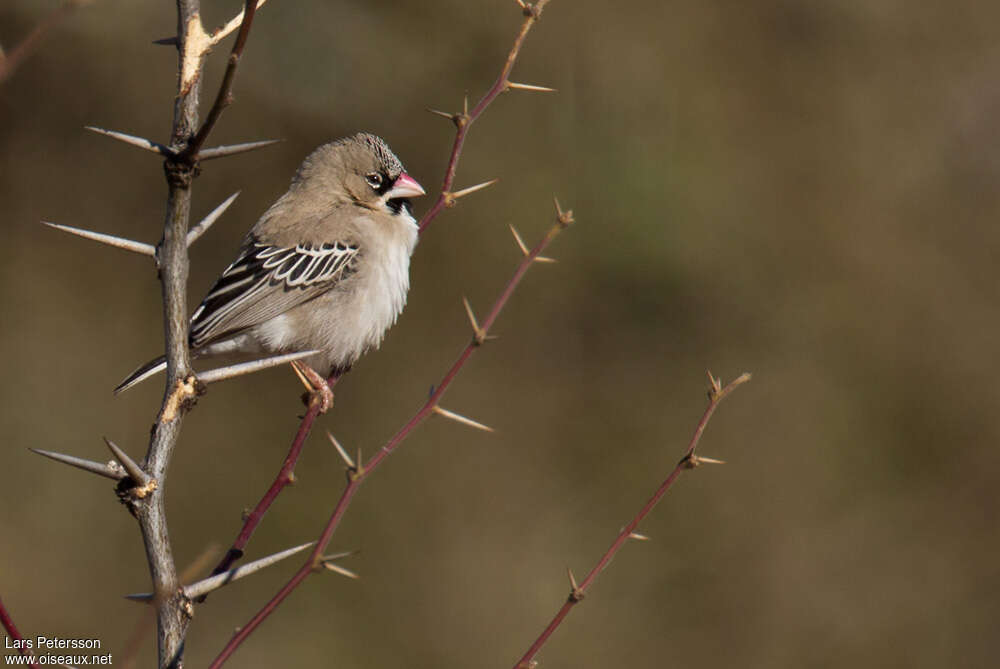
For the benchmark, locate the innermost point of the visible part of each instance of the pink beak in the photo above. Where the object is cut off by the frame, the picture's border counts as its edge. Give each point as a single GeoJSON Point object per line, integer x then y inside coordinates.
{"type": "Point", "coordinates": [405, 186]}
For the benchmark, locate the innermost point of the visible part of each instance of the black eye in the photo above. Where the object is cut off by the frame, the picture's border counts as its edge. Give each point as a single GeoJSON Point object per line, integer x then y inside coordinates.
{"type": "Point", "coordinates": [374, 180]}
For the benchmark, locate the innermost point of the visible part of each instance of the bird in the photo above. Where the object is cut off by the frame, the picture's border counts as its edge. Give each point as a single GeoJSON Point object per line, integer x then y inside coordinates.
{"type": "Point", "coordinates": [325, 268]}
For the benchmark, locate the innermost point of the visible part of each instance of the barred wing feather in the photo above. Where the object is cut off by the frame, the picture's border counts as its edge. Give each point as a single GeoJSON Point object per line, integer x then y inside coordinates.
{"type": "Point", "coordinates": [266, 281]}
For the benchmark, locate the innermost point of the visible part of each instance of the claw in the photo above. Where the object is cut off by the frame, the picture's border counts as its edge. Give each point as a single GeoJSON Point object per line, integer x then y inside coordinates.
{"type": "Point", "coordinates": [317, 389]}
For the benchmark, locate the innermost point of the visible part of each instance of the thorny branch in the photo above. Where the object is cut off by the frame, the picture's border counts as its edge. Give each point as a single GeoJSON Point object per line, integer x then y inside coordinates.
{"type": "Point", "coordinates": [13, 633]}
{"type": "Point", "coordinates": [464, 119]}
{"type": "Point", "coordinates": [225, 95]}
{"type": "Point", "coordinates": [173, 611]}
{"type": "Point", "coordinates": [716, 394]}
{"type": "Point", "coordinates": [446, 198]}
{"type": "Point", "coordinates": [142, 490]}
{"type": "Point", "coordinates": [361, 471]}
{"type": "Point", "coordinates": [285, 477]}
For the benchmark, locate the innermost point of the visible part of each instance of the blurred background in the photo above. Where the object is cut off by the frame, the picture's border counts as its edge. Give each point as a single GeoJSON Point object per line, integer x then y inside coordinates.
{"type": "Point", "coordinates": [805, 190]}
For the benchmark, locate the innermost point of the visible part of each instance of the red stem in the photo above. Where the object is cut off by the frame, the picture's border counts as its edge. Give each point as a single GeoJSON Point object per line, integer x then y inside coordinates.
{"type": "Point", "coordinates": [225, 94]}
{"type": "Point", "coordinates": [26, 47]}
{"type": "Point", "coordinates": [8, 624]}
{"type": "Point", "coordinates": [462, 121]}
{"type": "Point", "coordinates": [284, 478]}
{"type": "Point", "coordinates": [359, 476]}
{"type": "Point", "coordinates": [687, 462]}
{"type": "Point", "coordinates": [467, 118]}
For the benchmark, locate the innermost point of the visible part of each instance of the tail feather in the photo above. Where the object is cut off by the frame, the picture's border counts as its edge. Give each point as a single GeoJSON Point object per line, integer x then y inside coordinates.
{"type": "Point", "coordinates": [151, 368]}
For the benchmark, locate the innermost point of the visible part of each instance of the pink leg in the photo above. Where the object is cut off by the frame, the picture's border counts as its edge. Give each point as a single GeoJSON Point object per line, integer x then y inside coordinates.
{"type": "Point", "coordinates": [317, 388]}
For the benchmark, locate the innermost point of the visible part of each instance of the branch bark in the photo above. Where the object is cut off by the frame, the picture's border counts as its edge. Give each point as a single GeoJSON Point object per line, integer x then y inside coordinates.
{"type": "Point", "coordinates": [172, 608]}
{"type": "Point", "coordinates": [172, 258]}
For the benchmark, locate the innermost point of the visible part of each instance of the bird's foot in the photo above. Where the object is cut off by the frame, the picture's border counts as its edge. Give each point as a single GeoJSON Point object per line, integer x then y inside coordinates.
{"type": "Point", "coordinates": [318, 391]}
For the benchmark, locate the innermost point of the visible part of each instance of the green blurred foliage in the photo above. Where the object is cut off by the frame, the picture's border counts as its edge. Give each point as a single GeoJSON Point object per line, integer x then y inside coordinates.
{"type": "Point", "coordinates": [806, 190]}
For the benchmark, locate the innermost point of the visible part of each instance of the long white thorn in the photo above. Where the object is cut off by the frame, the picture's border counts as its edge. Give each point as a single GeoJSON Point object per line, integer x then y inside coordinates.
{"type": "Point", "coordinates": [232, 371]}
{"type": "Point", "coordinates": [205, 223]}
{"type": "Point", "coordinates": [211, 583]}
{"type": "Point", "coordinates": [207, 585]}
{"type": "Point", "coordinates": [520, 242]}
{"type": "Point", "coordinates": [111, 240]}
{"type": "Point", "coordinates": [343, 571]}
{"type": "Point", "coordinates": [477, 332]}
{"type": "Point", "coordinates": [330, 562]}
{"type": "Point", "coordinates": [529, 87]}
{"type": "Point", "coordinates": [141, 142]}
{"type": "Point", "coordinates": [140, 477]}
{"type": "Point", "coordinates": [108, 470]}
{"type": "Point", "coordinates": [233, 149]}
{"type": "Point", "coordinates": [472, 189]}
{"type": "Point", "coordinates": [340, 449]}
{"type": "Point", "coordinates": [458, 418]}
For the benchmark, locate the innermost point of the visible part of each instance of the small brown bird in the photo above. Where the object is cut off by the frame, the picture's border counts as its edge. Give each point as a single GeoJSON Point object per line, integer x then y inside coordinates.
{"type": "Point", "coordinates": [326, 268]}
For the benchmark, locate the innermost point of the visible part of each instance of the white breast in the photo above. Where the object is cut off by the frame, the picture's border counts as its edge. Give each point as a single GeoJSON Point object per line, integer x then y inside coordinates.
{"type": "Point", "coordinates": [354, 317]}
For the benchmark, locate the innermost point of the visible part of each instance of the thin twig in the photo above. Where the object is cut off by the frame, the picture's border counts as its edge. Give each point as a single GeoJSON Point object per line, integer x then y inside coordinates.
{"type": "Point", "coordinates": [689, 461]}
{"type": "Point", "coordinates": [285, 477]}
{"type": "Point", "coordinates": [234, 23]}
{"type": "Point", "coordinates": [16, 56]}
{"type": "Point", "coordinates": [225, 95]}
{"type": "Point", "coordinates": [8, 624]}
{"type": "Point", "coordinates": [464, 119]}
{"type": "Point", "coordinates": [359, 475]}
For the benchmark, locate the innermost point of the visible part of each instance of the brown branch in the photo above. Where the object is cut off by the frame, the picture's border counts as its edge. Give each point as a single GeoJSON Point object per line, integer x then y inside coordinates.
{"type": "Point", "coordinates": [577, 592]}
{"type": "Point", "coordinates": [464, 119]}
{"type": "Point", "coordinates": [171, 254]}
{"type": "Point", "coordinates": [27, 46]}
{"type": "Point", "coordinates": [361, 472]}
{"type": "Point", "coordinates": [225, 95]}
{"type": "Point", "coordinates": [173, 611]}
{"type": "Point", "coordinates": [8, 624]}
{"type": "Point", "coordinates": [134, 641]}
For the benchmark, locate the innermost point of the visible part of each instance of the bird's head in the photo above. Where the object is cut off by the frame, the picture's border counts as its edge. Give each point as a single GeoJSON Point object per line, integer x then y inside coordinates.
{"type": "Point", "coordinates": [361, 169]}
